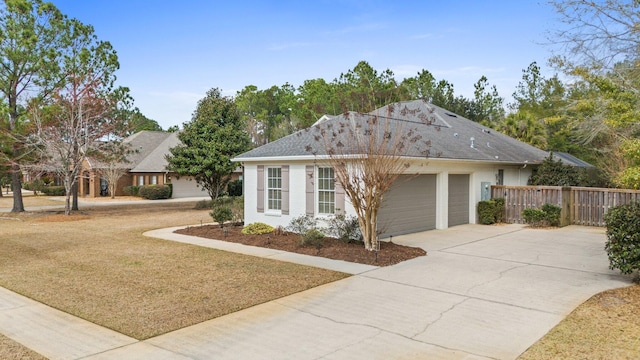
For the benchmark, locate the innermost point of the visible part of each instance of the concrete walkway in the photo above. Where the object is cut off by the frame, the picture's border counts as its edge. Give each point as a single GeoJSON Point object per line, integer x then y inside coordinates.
{"type": "Point", "coordinates": [482, 292]}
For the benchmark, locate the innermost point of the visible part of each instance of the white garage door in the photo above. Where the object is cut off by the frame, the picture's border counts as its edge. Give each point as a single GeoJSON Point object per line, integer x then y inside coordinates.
{"type": "Point", "coordinates": [409, 207]}
{"type": "Point", "coordinates": [458, 199]}
{"type": "Point", "coordinates": [185, 187]}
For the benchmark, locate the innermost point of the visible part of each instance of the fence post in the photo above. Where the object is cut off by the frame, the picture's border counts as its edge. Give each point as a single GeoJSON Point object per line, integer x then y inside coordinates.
{"type": "Point", "coordinates": [565, 213]}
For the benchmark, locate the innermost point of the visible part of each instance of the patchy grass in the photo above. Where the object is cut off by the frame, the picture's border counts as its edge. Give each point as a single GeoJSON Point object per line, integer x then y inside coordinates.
{"type": "Point", "coordinates": [11, 350]}
{"type": "Point", "coordinates": [607, 326]}
{"type": "Point", "coordinates": [98, 266]}
{"type": "Point", "coordinates": [6, 201]}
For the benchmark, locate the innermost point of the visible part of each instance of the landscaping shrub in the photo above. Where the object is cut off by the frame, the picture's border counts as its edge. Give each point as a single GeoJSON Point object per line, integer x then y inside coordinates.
{"type": "Point", "coordinates": [221, 214]}
{"type": "Point", "coordinates": [491, 211]}
{"type": "Point", "coordinates": [623, 237]}
{"type": "Point", "coordinates": [234, 188]}
{"type": "Point", "coordinates": [533, 216]}
{"type": "Point", "coordinates": [53, 190]}
{"type": "Point", "coordinates": [499, 208]}
{"type": "Point", "coordinates": [487, 212]}
{"type": "Point", "coordinates": [235, 204]}
{"type": "Point", "coordinates": [552, 214]}
{"type": "Point", "coordinates": [548, 215]}
{"type": "Point", "coordinates": [344, 228]}
{"type": "Point", "coordinates": [257, 228]}
{"type": "Point", "coordinates": [312, 237]}
{"type": "Point", "coordinates": [154, 192]}
{"type": "Point", "coordinates": [131, 190]}
{"type": "Point", "coordinates": [170, 185]}
{"type": "Point", "coordinates": [302, 224]}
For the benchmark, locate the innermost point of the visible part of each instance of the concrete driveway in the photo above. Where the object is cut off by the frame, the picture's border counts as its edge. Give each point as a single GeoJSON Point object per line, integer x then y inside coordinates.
{"type": "Point", "coordinates": [482, 292]}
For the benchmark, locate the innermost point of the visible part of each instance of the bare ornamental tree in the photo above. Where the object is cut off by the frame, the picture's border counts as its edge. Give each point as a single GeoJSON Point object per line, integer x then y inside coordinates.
{"type": "Point", "coordinates": [368, 153]}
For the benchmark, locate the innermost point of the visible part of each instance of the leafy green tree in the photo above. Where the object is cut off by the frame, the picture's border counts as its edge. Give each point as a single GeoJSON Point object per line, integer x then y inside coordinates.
{"type": "Point", "coordinates": [523, 126]}
{"type": "Point", "coordinates": [423, 86]}
{"type": "Point", "coordinates": [553, 172]}
{"type": "Point", "coordinates": [133, 121]}
{"type": "Point", "coordinates": [32, 33]}
{"type": "Point", "coordinates": [316, 98]}
{"type": "Point", "coordinates": [489, 107]}
{"type": "Point", "coordinates": [363, 89]}
{"type": "Point", "coordinates": [269, 113]}
{"type": "Point", "coordinates": [215, 134]}
{"type": "Point", "coordinates": [604, 120]}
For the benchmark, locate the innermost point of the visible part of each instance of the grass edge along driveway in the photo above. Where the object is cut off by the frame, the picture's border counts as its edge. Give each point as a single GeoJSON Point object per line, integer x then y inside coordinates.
{"type": "Point", "coordinates": [98, 266]}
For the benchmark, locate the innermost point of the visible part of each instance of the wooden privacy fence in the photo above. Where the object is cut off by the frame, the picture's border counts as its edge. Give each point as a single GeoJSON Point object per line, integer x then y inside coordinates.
{"type": "Point", "coordinates": [580, 205]}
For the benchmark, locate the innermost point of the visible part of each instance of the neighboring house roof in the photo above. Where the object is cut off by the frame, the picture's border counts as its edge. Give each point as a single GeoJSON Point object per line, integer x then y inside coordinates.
{"type": "Point", "coordinates": [147, 151]}
{"type": "Point", "coordinates": [150, 149]}
{"type": "Point", "coordinates": [451, 136]}
{"type": "Point", "coordinates": [571, 160]}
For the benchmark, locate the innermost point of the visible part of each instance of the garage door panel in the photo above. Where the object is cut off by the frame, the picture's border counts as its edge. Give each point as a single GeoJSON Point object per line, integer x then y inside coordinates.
{"type": "Point", "coordinates": [184, 187]}
{"type": "Point", "coordinates": [458, 199]}
{"type": "Point", "coordinates": [409, 206]}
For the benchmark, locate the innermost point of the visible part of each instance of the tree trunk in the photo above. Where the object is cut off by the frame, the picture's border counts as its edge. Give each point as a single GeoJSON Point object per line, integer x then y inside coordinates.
{"type": "Point", "coordinates": [16, 185]}
{"type": "Point", "coordinates": [74, 192]}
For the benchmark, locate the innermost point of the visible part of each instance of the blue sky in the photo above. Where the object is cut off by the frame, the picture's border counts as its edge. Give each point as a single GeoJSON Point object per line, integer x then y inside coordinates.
{"type": "Point", "coordinates": [172, 52]}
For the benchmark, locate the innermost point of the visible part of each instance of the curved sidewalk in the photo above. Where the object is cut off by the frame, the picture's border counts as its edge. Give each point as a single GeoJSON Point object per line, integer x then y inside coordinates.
{"type": "Point", "coordinates": [482, 292]}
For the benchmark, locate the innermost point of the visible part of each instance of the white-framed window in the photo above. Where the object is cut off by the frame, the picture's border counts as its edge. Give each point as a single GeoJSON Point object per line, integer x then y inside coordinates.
{"type": "Point", "coordinates": [154, 179]}
{"type": "Point", "coordinates": [140, 180]}
{"type": "Point", "coordinates": [326, 191]}
{"type": "Point", "coordinates": [274, 189]}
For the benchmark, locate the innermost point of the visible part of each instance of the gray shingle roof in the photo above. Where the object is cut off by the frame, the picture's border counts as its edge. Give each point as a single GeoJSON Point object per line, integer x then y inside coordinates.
{"type": "Point", "coordinates": [148, 149]}
{"type": "Point", "coordinates": [571, 160]}
{"type": "Point", "coordinates": [450, 136]}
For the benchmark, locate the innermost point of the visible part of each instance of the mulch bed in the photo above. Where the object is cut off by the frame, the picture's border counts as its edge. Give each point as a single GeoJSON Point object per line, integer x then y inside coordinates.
{"type": "Point", "coordinates": [389, 254]}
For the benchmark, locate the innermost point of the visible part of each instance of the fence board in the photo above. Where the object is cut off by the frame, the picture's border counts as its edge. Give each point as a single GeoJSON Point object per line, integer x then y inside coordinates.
{"type": "Point", "coordinates": [587, 206]}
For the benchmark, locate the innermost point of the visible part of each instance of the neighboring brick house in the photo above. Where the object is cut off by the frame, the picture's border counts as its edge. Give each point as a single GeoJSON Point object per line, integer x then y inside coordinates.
{"type": "Point", "coordinates": [147, 166]}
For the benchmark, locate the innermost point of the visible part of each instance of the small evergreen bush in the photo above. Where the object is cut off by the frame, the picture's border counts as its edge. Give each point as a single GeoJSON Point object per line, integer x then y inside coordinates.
{"type": "Point", "coordinates": [235, 204]}
{"type": "Point", "coordinates": [548, 215]}
{"type": "Point", "coordinates": [552, 214]}
{"type": "Point", "coordinates": [623, 237]}
{"type": "Point", "coordinates": [491, 211]}
{"type": "Point", "coordinates": [533, 216]}
{"type": "Point", "coordinates": [312, 237]}
{"type": "Point", "coordinates": [221, 214]}
{"type": "Point", "coordinates": [131, 190]}
{"type": "Point", "coordinates": [487, 212]}
{"type": "Point", "coordinates": [53, 190]}
{"type": "Point", "coordinates": [499, 209]}
{"type": "Point", "coordinates": [257, 228]}
{"type": "Point", "coordinates": [344, 228]}
{"type": "Point", "coordinates": [154, 192]}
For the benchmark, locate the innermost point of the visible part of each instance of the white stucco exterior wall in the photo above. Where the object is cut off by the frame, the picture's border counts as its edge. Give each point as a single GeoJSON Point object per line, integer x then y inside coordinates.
{"type": "Point", "coordinates": [478, 172]}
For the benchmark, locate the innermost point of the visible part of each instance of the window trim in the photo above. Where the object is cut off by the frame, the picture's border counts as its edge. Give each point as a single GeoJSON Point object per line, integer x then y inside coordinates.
{"type": "Point", "coordinates": [320, 178]}
{"type": "Point", "coordinates": [268, 190]}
